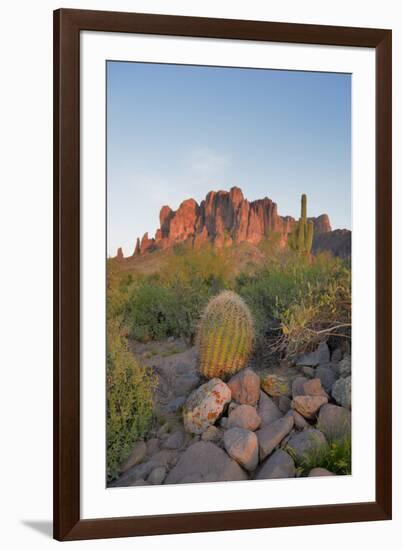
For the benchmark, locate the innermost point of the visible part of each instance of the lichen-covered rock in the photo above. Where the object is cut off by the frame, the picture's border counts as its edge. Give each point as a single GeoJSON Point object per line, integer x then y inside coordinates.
{"type": "Point", "coordinates": [242, 446]}
{"type": "Point", "coordinates": [342, 391]}
{"type": "Point", "coordinates": [308, 405]}
{"type": "Point", "coordinates": [345, 366]}
{"type": "Point", "coordinates": [334, 421]}
{"type": "Point", "coordinates": [275, 385]}
{"type": "Point", "coordinates": [203, 462]}
{"type": "Point", "coordinates": [279, 465]}
{"type": "Point", "coordinates": [205, 405]}
{"type": "Point", "coordinates": [244, 416]}
{"type": "Point", "coordinates": [271, 435]}
{"type": "Point", "coordinates": [320, 356]}
{"type": "Point", "coordinates": [267, 410]}
{"type": "Point", "coordinates": [245, 387]}
{"type": "Point", "coordinates": [306, 442]}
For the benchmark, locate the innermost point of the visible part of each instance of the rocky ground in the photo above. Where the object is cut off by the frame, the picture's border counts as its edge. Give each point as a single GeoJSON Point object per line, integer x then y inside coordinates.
{"type": "Point", "coordinates": [256, 425]}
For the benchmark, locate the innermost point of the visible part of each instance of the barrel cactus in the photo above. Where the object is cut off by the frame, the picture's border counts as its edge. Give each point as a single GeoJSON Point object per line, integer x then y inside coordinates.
{"type": "Point", "coordinates": [225, 336]}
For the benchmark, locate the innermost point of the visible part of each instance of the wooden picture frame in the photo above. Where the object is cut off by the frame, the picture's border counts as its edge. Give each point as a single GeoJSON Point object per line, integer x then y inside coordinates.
{"type": "Point", "coordinates": [68, 524]}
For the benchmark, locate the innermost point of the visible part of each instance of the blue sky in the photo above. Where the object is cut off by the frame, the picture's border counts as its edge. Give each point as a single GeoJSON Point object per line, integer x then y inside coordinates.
{"type": "Point", "coordinates": [175, 132]}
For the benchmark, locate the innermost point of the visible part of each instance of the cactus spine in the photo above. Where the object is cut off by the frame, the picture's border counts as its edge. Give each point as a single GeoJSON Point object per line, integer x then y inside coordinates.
{"type": "Point", "coordinates": [301, 238]}
{"type": "Point", "coordinates": [225, 336]}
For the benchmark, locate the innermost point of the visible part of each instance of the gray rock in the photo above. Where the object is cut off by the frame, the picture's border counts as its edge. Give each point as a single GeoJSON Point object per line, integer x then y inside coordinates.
{"type": "Point", "coordinates": [212, 433]}
{"type": "Point", "coordinates": [205, 405]}
{"type": "Point", "coordinates": [300, 422]}
{"type": "Point", "coordinates": [137, 455]}
{"type": "Point", "coordinates": [336, 355]}
{"type": "Point", "coordinates": [245, 387]}
{"type": "Point", "coordinates": [153, 446]}
{"type": "Point", "coordinates": [298, 386]}
{"type": "Point", "coordinates": [334, 422]}
{"type": "Point", "coordinates": [342, 391]}
{"type": "Point", "coordinates": [279, 465]}
{"type": "Point", "coordinates": [308, 405]}
{"type": "Point", "coordinates": [267, 410]}
{"type": "Point", "coordinates": [327, 375]}
{"type": "Point", "coordinates": [244, 416]}
{"type": "Point", "coordinates": [284, 403]}
{"type": "Point", "coordinates": [175, 440]}
{"type": "Point", "coordinates": [157, 476]}
{"type": "Point", "coordinates": [223, 422]}
{"type": "Point", "coordinates": [203, 462]}
{"type": "Point", "coordinates": [317, 357]}
{"type": "Point", "coordinates": [345, 366]}
{"type": "Point", "coordinates": [139, 482]}
{"type": "Point", "coordinates": [320, 472]}
{"type": "Point", "coordinates": [242, 446]}
{"type": "Point", "coordinates": [309, 441]}
{"type": "Point", "coordinates": [271, 435]}
{"type": "Point", "coordinates": [309, 372]}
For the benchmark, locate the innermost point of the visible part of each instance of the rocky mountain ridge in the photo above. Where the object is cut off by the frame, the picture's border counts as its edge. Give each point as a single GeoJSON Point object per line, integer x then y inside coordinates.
{"type": "Point", "coordinates": [223, 218]}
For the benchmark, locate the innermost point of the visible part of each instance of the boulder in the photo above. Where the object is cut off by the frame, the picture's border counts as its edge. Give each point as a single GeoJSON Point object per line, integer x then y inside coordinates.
{"type": "Point", "coordinates": [271, 435]}
{"type": "Point", "coordinates": [345, 366]}
{"type": "Point", "coordinates": [267, 410]}
{"type": "Point", "coordinates": [334, 421]}
{"type": "Point", "coordinates": [203, 462]}
{"type": "Point", "coordinates": [284, 403]}
{"type": "Point", "coordinates": [205, 405]}
{"type": "Point", "coordinates": [342, 391]}
{"type": "Point", "coordinates": [245, 387]}
{"type": "Point", "coordinates": [244, 416]}
{"type": "Point", "coordinates": [319, 356]}
{"type": "Point", "coordinates": [308, 405]}
{"type": "Point", "coordinates": [175, 440]}
{"type": "Point", "coordinates": [157, 476]}
{"type": "Point", "coordinates": [313, 387]}
{"type": "Point", "coordinates": [242, 446]}
{"type": "Point", "coordinates": [137, 455]}
{"type": "Point", "coordinates": [300, 422]}
{"type": "Point", "coordinates": [320, 472]}
{"type": "Point", "coordinates": [309, 372]}
{"type": "Point", "coordinates": [298, 386]}
{"type": "Point", "coordinates": [279, 465]}
{"type": "Point", "coordinates": [275, 385]}
{"type": "Point", "coordinates": [309, 441]}
{"type": "Point", "coordinates": [212, 433]}
{"type": "Point", "coordinates": [327, 375]}
{"type": "Point", "coordinates": [336, 355]}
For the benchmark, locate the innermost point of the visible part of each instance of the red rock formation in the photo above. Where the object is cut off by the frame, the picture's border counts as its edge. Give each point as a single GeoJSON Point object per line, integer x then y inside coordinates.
{"type": "Point", "coordinates": [222, 218]}
{"type": "Point", "coordinates": [120, 255]}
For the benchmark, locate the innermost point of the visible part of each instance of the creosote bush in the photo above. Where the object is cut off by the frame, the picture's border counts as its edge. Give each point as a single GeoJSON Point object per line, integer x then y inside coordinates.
{"type": "Point", "coordinates": [225, 336]}
{"type": "Point", "coordinates": [129, 399]}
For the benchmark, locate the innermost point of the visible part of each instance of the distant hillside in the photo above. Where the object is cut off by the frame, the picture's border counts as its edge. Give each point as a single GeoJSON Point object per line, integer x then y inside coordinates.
{"type": "Point", "coordinates": [223, 218]}
{"type": "Point", "coordinates": [339, 242]}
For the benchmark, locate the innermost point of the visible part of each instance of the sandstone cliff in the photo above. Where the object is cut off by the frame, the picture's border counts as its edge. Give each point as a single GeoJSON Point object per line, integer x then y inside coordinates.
{"type": "Point", "coordinates": [223, 218]}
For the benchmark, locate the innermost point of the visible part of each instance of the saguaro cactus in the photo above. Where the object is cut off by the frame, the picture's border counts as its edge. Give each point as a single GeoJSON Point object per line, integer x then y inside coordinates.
{"type": "Point", "coordinates": [301, 238]}
{"type": "Point", "coordinates": [225, 336]}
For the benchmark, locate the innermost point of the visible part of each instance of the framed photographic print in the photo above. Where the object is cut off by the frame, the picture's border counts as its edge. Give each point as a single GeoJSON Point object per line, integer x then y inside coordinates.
{"type": "Point", "coordinates": [222, 274]}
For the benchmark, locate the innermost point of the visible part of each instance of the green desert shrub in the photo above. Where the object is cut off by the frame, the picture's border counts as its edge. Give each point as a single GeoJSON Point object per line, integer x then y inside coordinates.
{"type": "Point", "coordinates": [225, 336]}
{"type": "Point", "coordinates": [336, 457]}
{"type": "Point", "coordinates": [297, 303]}
{"type": "Point", "coordinates": [129, 399]}
{"type": "Point", "coordinates": [150, 312]}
